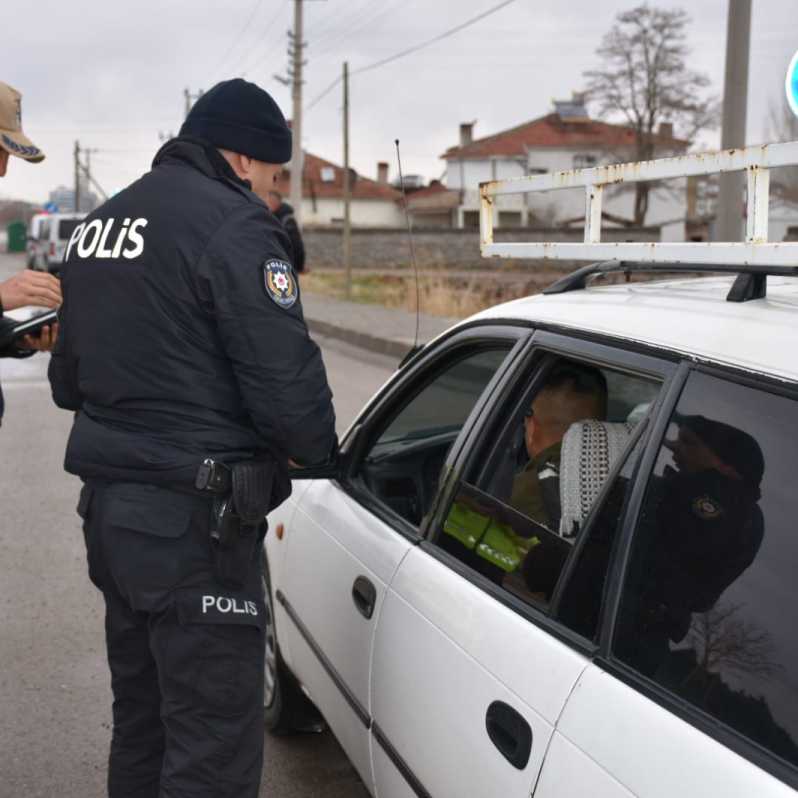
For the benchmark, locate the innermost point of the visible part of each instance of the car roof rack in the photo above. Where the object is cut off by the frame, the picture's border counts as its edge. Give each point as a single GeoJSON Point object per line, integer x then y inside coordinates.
{"type": "Point", "coordinates": [753, 260]}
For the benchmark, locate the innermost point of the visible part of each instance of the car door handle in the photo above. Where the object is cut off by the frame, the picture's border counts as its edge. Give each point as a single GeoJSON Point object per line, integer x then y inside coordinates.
{"type": "Point", "coordinates": [510, 733]}
{"type": "Point", "coordinates": [364, 595]}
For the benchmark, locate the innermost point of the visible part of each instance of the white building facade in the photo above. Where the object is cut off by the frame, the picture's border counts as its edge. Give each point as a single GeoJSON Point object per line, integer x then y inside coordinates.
{"type": "Point", "coordinates": [558, 142]}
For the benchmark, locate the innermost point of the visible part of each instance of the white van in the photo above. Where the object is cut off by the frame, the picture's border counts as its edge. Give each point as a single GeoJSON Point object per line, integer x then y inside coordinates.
{"type": "Point", "coordinates": [33, 245]}
{"type": "Point", "coordinates": [53, 236]}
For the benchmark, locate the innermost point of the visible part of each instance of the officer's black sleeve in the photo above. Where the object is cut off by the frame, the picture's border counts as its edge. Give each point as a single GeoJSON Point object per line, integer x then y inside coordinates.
{"type": "Point", "coordinates": [278, 366]}
{"type": "Point", "coordinates": [297, 245]}
{"type": "Point", "coordinates": [63, 368]}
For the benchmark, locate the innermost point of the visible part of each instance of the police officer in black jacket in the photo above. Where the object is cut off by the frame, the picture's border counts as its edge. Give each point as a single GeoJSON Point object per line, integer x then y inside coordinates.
{"type": "Point", "coordinates": [184, 350]}
{"type": "Point", "coordinates": [285, 213]}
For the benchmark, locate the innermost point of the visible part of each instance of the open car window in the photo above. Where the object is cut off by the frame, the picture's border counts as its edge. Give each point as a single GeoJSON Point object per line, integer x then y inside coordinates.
{"type": "Point", "coordinates": [401, 468]}
{"type": "Point", "coordinates": [565, 443]}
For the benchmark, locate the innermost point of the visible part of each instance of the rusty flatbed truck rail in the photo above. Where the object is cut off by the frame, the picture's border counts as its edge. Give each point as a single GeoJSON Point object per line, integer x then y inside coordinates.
{"type": "Point", "coordinates": [756, 250]}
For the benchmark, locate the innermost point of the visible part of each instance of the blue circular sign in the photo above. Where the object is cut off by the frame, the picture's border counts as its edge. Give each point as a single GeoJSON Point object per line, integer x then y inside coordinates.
{"type": "Point", "coordinates": [791, 84]}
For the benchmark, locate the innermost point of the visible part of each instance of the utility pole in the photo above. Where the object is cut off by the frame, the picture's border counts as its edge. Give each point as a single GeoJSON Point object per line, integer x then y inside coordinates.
{"type": "Point", "coordinates": [296, 113]}
{"type": "Point", "coordinates": [77, 177]}
{"type": "Point", "coordinates": [347, 241]}
{"type": "Point", "coordinates": [729, 217]}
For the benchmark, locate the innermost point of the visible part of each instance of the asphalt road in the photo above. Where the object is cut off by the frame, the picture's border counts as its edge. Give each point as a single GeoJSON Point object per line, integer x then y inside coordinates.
{"type": "Point", "coordinates": [54, 685]}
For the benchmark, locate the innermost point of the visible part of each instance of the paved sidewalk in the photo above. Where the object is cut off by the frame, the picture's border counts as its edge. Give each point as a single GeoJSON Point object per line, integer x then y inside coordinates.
{"type": "Point", "coordinates": [388, 331]}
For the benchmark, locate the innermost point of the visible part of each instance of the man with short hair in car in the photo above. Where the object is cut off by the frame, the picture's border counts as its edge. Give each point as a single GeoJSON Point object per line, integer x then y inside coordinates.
{"type": "Point", "coordinates": [573, 392]}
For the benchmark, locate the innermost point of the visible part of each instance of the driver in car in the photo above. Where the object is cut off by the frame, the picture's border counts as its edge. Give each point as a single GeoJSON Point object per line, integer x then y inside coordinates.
{"type": "Point", "coordinates": [573, 392]}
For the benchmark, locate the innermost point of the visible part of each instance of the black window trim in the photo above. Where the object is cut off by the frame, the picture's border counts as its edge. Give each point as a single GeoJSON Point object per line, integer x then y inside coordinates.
{"type": "Point", "coordinates": [703, 721]}
{"type": "Point", "coordinates": [611, 355]}
{"type": "Point", "coordinates": [407, 381]}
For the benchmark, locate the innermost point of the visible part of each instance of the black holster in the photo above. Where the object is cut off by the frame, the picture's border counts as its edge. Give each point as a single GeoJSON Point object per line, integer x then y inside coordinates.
{"type": "Point", "coordinates": [239, 524]}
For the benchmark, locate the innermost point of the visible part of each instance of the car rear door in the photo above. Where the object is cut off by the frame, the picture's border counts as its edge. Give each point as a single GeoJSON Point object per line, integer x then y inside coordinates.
{"type": "Point", "coordinates": [471, 670]}
{"type": "Point", "coordinates": [347, 538]}
{"type": "Point", "coordinates": [694, 691]}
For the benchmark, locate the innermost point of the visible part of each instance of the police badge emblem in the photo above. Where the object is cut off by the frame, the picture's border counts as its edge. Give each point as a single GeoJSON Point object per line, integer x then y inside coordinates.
{"type": "Point", "coordinates": [280, 283]}
{"type": "Point", "coordinates": [706, 508]}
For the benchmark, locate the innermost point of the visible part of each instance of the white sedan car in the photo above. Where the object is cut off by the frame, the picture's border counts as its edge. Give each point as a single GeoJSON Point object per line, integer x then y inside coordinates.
{"type": "Point", "coordinates": [612, 614]}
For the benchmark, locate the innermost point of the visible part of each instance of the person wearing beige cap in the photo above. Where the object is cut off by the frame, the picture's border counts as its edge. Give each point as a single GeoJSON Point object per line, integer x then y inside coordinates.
{"type": "Point", "coordinates": [26, 287]}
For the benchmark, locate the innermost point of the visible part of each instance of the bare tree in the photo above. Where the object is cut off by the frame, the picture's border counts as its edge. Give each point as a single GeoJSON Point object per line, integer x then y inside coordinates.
{"type": "Point", "coordinates": [726, 643]}
{"type": "Point", "coordinates": [644, 80]}
{"type": "Point", "coordinates": [783, 126]}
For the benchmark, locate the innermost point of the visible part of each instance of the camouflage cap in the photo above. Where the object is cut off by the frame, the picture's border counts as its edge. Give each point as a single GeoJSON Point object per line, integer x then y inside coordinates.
{"type": "Point", "coordinates": [12, 139]}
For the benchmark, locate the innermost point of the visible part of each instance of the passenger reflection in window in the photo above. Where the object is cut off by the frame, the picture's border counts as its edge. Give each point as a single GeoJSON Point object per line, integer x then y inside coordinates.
{"type": "Point", "coordinates": [709, 528]}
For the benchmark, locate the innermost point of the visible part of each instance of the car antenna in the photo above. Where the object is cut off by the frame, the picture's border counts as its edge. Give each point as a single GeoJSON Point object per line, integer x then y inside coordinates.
{"type": "Point", "coordinates": [415, 348]}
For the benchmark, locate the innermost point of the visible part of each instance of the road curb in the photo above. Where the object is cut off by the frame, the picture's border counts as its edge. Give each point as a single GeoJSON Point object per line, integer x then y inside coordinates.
{"type": "Point", "coordinates": [373, 343]}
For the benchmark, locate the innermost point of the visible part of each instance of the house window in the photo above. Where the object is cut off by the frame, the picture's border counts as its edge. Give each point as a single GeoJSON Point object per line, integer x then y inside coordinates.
{"type": "Point", "coordinates": [583, 160]}
{"type": "Point", "coordinates": [510, 218]}
{"type": "Point", "coordinates": [327, 174]}
{"type": "Point", "coordinates": [471, 219]}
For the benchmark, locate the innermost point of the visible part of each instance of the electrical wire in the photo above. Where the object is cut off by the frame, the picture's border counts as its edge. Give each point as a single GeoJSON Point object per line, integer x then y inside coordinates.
{"type": "Point", "coordinates": [237, 38]}
{"type": "Point", "coordinates": [366, 22]}
{"type": "Point", "coordinates": [410, 50]}
{"type": "Point", "coordinates": [434, 39]}
{"type": "Point", "coordinates": [321, 96]}
{"type": "Point", "coordinates": [268, 51]}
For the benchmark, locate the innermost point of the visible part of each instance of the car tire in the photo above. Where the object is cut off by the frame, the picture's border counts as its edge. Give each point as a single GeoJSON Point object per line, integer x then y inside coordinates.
{"type": "Point", "coordinates": [286, 709]}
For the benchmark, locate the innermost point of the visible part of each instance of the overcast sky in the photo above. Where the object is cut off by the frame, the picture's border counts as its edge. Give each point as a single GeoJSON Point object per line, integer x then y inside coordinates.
{"type": "Point", "coordinates": [112, 75]}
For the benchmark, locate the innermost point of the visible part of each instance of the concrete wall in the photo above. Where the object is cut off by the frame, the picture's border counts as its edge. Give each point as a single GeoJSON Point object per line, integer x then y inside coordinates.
{"type": "Point", "coordinates": [449, 249]}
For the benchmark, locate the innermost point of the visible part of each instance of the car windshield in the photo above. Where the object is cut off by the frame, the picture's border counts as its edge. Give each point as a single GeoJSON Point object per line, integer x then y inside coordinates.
{"type": "Point", "coordinates": [66, 227]}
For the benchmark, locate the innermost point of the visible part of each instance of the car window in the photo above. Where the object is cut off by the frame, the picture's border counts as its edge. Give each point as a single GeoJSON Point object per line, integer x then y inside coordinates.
{"type": "Point", "coordinates": [708, 602]}
{"type": "Point", "coordinates": [564, 441]}
{"type": "Point", "coordinates": [402, 467]}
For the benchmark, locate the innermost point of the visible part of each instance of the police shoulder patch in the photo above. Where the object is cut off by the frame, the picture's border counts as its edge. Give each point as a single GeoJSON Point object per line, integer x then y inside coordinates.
{"type": "Point", "coordinates": [707, 508]}
{"type": "Point", "coordinates": [280, 283]}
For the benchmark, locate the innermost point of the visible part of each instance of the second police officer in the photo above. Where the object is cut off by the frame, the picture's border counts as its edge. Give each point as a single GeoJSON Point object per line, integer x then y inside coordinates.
{"type": "Point", "coordinates": [184, 349]}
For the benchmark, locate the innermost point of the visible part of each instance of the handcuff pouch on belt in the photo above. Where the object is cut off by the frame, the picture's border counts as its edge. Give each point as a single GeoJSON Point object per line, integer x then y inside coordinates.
{"type": "Point", "coordinates": [245, 494]}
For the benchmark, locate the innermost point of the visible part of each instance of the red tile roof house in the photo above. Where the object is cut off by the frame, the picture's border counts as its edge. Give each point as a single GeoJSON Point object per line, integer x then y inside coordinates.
{"type": "Point", "coordinates": [374, 203]}
{"type": "Point", "coordinates": [565, 139]}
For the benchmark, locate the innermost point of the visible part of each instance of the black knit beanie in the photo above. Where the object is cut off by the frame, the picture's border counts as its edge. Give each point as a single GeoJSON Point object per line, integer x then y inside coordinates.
{"type": "Point", "coordinates": [240, 116]}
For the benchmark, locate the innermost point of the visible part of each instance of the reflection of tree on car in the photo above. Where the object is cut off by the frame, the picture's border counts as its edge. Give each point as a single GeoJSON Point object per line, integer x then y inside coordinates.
{"type": "Point", "coordinates": [707, 528]}
{"type": "Point", "coordinates": [723, 643]}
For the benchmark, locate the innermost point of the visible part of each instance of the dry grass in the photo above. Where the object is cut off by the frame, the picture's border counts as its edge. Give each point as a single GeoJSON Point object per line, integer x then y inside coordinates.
{"type": "Point", "coordinates": [446, 295]}
{"type": "Point", "coordinates": [439, 295]}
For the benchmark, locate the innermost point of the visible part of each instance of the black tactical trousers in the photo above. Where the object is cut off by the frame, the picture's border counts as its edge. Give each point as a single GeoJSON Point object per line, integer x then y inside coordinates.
{"type": "Point", "coordinates": [185, 653]}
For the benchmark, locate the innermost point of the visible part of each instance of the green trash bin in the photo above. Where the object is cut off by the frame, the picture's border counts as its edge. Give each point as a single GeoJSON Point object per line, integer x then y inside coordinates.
{"type": "Point", "coordinates": [17, 237]}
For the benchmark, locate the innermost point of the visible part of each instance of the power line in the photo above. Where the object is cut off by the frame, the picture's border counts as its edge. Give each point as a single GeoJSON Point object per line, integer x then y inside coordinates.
{"type": "Point", "coordinates": [317, 100]}
{"type": "Point", "coordinates": [259, 59]}
{"type": "Point", "coordinates": [434, 39]}
{"type": "Point", "coordinates": [365, 22]}
{"type": "Point", "coordinates": [410, 50]}
{"type": "Point", "coordinates": [237, 38]}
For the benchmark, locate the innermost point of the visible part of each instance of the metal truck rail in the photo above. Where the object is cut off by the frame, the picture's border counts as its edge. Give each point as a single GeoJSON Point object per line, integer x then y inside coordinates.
{"type": "Point", "coordinates": [756, 250]}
